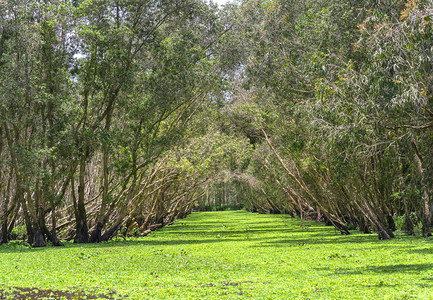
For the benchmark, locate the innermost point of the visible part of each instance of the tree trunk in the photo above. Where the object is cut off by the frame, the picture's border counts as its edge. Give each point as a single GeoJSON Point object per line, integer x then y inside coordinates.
{"type": "Point", "coordinates": [391, 223]}
{"type": "Point", "coordinates": [96, 236]}
{"type": "Point", "coordinates": [54, 239]}
{"type": "Point", "coordinates": [110, 232]}
{"type": "Point", "coordinates": [363, 226]}
{"type": "Point", "coordinates": [37, 239]}
{"type": "Point", "coordinates": [4, 232]}
{"type": "Point", "coordinates": [4, 220]}
{"type": "Point", "coordinates": [342, 228]}
{"type": "Point", "coordinates": [408, 225]}
{"type": "Point", "coordinates": [383, 231]}
{"type": "Point", "coordinates": [425, 219]}
{"type": "Point", "coordinates": [82, 231]}
{"type": "Point", "coordinates": [383, 234]}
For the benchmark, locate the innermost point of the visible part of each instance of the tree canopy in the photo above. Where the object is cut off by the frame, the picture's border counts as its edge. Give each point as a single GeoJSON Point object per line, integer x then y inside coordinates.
{"type": "Point", "coordinates": [119, 117]}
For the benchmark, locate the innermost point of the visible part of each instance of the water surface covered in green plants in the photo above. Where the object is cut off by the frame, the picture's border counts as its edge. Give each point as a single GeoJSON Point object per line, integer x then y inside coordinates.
{"type": "Point", "coordinates": [233, 255]}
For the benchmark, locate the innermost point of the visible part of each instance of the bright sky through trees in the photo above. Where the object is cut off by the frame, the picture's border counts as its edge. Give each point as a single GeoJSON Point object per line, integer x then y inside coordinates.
{"type": "Point", "coordinates": [221, 2]}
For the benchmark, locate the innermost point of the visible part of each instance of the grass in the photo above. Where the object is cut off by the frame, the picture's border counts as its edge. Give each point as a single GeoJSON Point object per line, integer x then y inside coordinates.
{"type": "Point", "coordinates": [232, 254]}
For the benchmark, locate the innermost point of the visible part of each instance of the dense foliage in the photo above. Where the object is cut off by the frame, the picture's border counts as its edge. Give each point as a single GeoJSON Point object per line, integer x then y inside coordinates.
{"type": "Point", "coordinates": [339, 96]}
{"type": "Point", "coordinates": [96, 100]}
{"type": "Point", "coordinates": [122, 116]}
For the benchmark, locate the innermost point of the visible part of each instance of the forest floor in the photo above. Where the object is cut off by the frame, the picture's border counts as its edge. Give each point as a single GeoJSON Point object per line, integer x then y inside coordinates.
{"type": "Point", "coordinates": [231, 255]}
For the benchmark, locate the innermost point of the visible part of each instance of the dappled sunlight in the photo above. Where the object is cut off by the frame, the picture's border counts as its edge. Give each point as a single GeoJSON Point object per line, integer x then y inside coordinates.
{"type": "Point", "coordinates": [233, 254]}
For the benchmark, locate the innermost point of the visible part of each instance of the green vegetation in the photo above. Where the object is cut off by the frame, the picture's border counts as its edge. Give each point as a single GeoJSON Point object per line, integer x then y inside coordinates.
{"type": "Point", "coordinates": [232, 254]}
{"type": "Point", "coordinates": [120, 117]}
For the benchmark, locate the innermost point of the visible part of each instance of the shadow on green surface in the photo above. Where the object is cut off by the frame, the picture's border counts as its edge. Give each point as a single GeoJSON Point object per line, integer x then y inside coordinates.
{"type": "Point", "coordinates": [228, 231]}
{"type": "Point", "coordinates": [197, 229]}
{"type": "Point", "coordinates": [19, 293]}
{"type": "Point", "coordinates": [143, 242]}
{"type": "Point", "coordinates": [420, 251]}
{"type": "Point", "coordinates": [318, 239]}
{"type": "Point", "coordinates": [383, 269]}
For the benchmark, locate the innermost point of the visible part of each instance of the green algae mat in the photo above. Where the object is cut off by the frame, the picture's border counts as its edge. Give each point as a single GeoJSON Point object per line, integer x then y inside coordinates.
{"type": "Point", "coordinates": [225, 255]}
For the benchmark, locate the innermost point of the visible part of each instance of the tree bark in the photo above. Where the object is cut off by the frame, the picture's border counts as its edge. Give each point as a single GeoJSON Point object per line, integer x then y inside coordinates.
{"type": "Point", "coordinates": [425, 219]}
{"type": "Point", "coordinates": [408, 225]}
{"type": "Point", "coordinates": [82, 231]}
{"type": "Point", "coordinates": [363, 226]}
{"type": "Point", "coordinates": [391, 223]}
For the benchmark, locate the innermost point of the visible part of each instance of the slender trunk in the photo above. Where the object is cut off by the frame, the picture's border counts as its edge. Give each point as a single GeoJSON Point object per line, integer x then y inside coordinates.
{"type": "Point", "coordinates": [4, 232]}
{"type": "Point", "coordinates": [425, 219]}
{"type": "Point", "coordinates": [408, 226]}
{"type": "Point", "coordinates": [95, 236]}
{"type": "Point", "coordinates": [6, 211]}
{"type": "Point", "coordinates": [408, 222]}
{"type": "Point", "coordinates": [82, 231]}
{"type": "Point", "coordinates": [335, 220]}
{"type": "Point", "coordinates": [108, 234]}
{"type": "Point", "coordinates": [374, 213]}
{"type": "Point", "coordinates": [38, 218]}
{"type": "Point", "coordinates": [34, 231]}
{"type": "Point", "coordinates": [54, 239]}
{"type": "Point", "coordinates": [391, 223]}
{"type": "Point", "coordinates": [4, 218]}
{"type": "Point", "coordinates": [52, 185]}
{"type": "Point", "coordinates": [28, 223]}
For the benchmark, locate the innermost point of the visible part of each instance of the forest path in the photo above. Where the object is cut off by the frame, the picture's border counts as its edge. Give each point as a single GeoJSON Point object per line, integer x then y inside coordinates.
{"type": "Point", "coordinates": [232, 254]}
